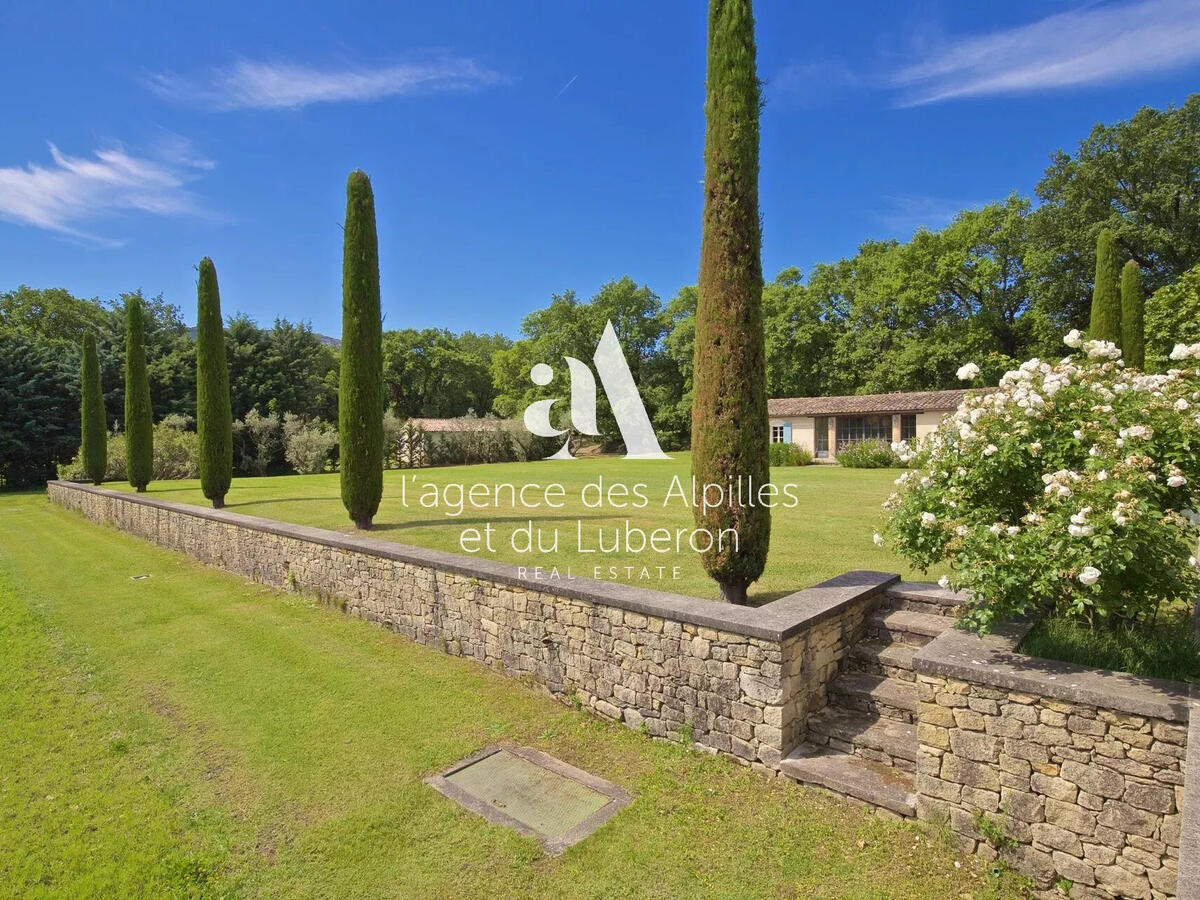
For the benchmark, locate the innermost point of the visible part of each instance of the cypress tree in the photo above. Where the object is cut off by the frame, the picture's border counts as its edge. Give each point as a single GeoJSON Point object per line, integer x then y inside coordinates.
{"type": "Point", "coordinates": [214, 416]}
{"type": "Point", "coordinates": [729, 409]}
{"type": "Point", "coordinates": [139, 416]}
{"type": "Point", "coordinates": [360, 392]}
{"type": "Point", "coordinates": [1106, 295]}
{"type": "Point", "coordinates": [1133, 331]}
{"type": "Point", "coordinates": [93, 448]}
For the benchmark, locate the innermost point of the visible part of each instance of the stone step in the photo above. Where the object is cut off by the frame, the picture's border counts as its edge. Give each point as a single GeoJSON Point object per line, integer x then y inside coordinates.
{"type": "Point", "coordinates": [926, 597]}
{"type": "Point", "coordinates": [888, 698]}
{"type": "Point", "coordinates": [886, 741]}
{"type": "Point", "coordinates": [852, 776]}
{"type": "Point", "coordinates": [891, 660]}
{"type": "Point", "coordinates": [905, 626]}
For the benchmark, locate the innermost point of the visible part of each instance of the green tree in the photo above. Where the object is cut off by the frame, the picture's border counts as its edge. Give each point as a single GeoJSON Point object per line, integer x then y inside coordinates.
{"type": "Point", "coordinates": [93, 449]}
{"type": "Point", "coordinates": [360, 395]}
{"type": "Point", "coordinates": [1105, 322]}
{"type": "Point", "coordinates": [139, 418]}
{"type": "Point", "coordinates": [729, 411]}
{"type": "Point", "coordinates": [1139, 179]}
{"type": "Point", "coordinates": [39, 412]}
{"type": "Point", "coordinates": [1172, 317]}
{"type": "Point", "coordinates": [214, 419]}
{"type": "Point", "coordinates": [1133, 334]}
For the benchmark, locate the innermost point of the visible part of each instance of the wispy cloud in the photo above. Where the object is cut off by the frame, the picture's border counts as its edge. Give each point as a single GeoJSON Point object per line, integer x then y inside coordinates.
{"type": "Point", "coordinates": [250, 84]}
{"type": "Point", "coordinates": [813, 83]}
{"type": "Point", "coordinates": [1093, 44]}
{"type": "Point", "coordinates": [903, 214]}
{"type": "Point", "coordinates": [73, 190]}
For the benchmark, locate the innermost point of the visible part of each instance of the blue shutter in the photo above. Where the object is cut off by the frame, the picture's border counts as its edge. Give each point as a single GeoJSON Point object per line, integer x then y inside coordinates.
{"type": "Point", "coordinates": [787, 432]}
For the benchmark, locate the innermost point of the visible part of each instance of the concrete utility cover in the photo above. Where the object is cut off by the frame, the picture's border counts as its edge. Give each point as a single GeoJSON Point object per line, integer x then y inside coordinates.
{"type": "Point", "coordinates": [532, 793]}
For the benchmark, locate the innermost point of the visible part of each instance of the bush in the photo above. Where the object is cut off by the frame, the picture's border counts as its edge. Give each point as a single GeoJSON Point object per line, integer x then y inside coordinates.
{"type": "Point", "coordinates": [1070, 489]}
{"type": "Point", "coordinates": [782, 454]}
{"type": "Point", "coordinates": [176, 454]}
{"type": "Point", "coordinates": [308, 446]}
{"type": "Point", "coordinates": [873, 454]}
{"type": "Point", "coordinates": [258, 441]}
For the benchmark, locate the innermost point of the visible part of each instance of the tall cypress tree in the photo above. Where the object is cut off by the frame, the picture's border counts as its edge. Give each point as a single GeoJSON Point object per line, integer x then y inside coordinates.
{"type": "Point", "coordinates": [139, 416]}
{"type": "Point", "coordinates": [360, 393]}
{"type": "Point", "coordinates": [93, 448]}
{"type": "Point", "coordinates": [214, 416]}
{"type": "Point", "coordinates": [1106, 295]}
{"type": "Point", "coordinates": [1133, 331]}
{"type": "Point", "coordinates": [729, 409]}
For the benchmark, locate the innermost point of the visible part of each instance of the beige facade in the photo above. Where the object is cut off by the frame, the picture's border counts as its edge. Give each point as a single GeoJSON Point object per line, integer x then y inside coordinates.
{"type": "Point", "coordinates": [823, 424]}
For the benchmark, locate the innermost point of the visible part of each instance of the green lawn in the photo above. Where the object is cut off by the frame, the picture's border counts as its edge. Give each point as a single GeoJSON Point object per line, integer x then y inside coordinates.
{"type": "Point", "coordinates": [193, 734]}
{"type": "Point", "coordinates": [828, 532]}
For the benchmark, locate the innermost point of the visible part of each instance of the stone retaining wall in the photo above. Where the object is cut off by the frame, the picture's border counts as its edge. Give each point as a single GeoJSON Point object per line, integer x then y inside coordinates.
{"type": "Point", "coordinates": [738, 680]}
{"type": "Point", "coordinates": [1063, 771]}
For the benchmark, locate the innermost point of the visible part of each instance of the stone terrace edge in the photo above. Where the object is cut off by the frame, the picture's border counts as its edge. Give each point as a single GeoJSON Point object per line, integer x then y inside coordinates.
{"type": "Point", "coordinates": [774, 621]}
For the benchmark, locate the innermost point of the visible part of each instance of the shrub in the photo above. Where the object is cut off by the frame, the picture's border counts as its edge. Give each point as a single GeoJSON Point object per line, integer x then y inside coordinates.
{"type": "Point", "coordinates": [259, 442]}
{"type": "Point", "coordinates": [360, 390]}
{"type": "Point", "coordinates": [176, 454]}
{"type": "Point", "coordinates": [873, 454]}
{"type": "Point", "coordinates": [1070, 489]}
{"type": "Point", "coordinates": [782, 454]}
{"type": "Point", "coordinates": [308, 446]}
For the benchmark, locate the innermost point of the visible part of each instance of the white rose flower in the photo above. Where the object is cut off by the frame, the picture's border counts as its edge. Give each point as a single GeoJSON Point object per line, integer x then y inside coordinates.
{"type": "Point", "coordinates": [1073, 338]}
{"type": "Point", "coordinates": [1089, 576]}
{"type": "Point", "coordinates": [968, 372]}
{"type": "Point", "coordinates": [1181, 404]}
{"type": "Point", "coordinates": [945, 582]}
{"type": "Point", "coordinates": [928, 519]}
{"type": "Point", "coordinates": [878, 539]}
{"type": "Point", "coordinates": [1176, 481]}
{"type": "Point", "coordinates": [990, 449]}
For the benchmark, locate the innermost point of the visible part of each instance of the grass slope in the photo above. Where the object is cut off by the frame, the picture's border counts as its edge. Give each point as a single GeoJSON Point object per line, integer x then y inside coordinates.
{"type": "Point", "coordinates": [827, 533]}
{"type": "Point", "coordinates": [192, 734]}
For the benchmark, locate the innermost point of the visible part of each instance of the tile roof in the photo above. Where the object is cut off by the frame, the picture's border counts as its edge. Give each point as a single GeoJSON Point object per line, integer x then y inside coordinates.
{"type": "Point", "coordinates": [914, 401]}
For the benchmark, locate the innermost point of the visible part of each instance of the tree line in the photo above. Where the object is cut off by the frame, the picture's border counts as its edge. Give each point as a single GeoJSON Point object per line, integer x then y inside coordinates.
{"type": "Point", "coordinates": [997, 285]}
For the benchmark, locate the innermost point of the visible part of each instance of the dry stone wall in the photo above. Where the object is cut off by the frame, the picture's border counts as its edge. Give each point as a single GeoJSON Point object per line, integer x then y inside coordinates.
{"type": "Point", "coordinates": [1065, 772]}
{"type": "Point", "coordinates": [739, 681]}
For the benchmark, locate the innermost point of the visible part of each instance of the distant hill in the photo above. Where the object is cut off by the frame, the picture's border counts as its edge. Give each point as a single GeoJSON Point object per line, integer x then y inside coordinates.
{"type": "Point", "coordinates": [335, 343]}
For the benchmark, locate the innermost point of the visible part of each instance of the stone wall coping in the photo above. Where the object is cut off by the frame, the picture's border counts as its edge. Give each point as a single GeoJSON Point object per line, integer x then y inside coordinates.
{"type": "Point", "coordinates": [774, 621]}
{"type": "Point", "coordinates": [994, 660]}
{"type": "Point", "coordinates": [1189, 837]}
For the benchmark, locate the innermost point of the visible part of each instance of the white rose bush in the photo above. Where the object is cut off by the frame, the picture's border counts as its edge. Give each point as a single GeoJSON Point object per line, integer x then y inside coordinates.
{"type": "Point", "coordinates": [1070, 489]}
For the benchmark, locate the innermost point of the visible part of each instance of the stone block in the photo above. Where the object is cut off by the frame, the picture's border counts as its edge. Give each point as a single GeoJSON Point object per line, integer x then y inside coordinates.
{"type": "Point", "coordinates": [1094, 779]}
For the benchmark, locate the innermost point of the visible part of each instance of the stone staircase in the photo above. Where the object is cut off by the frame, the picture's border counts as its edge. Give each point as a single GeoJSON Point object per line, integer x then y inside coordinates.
{"type": "Point", "coordinates": [863, 744]}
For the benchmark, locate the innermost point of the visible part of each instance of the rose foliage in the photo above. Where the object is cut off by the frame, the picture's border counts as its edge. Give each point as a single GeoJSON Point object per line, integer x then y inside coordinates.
{"type": "Point", "coordinates": [1069, 489]}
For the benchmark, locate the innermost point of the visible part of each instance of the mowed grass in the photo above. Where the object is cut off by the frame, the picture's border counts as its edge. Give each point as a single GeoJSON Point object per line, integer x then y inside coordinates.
{"type": "Point", "coordinates": [193, 734]}
{"type": "Point", "coordinates": [827, 532]}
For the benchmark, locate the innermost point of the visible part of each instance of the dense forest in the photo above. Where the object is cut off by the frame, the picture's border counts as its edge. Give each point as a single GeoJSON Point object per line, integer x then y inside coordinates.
{"type": "Point", "coordinates": [997, 285]}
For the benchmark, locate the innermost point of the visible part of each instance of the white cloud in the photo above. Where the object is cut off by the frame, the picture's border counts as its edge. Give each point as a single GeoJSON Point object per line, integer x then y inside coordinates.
{"type": "Point", "coordinates": [74, 190]}
{"type": "Point", "coordinates": [249, 84]}
{"type": "Point", "coordinates": [1093, 44]}
{"type": "Point", "coordinates": [904, 214]}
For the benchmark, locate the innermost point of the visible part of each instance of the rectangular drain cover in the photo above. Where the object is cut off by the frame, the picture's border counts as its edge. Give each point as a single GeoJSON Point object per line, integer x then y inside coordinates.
{"type": "Point", "coordinates": [532, 793]}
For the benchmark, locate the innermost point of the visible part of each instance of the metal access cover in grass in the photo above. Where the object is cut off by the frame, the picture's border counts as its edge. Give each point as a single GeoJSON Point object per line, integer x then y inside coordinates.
{"type": "Point", "coordinates": [532, 793]}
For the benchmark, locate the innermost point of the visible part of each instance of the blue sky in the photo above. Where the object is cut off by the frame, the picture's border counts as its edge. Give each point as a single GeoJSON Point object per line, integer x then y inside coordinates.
{"type": "Point", "coordinates": [519, 148]}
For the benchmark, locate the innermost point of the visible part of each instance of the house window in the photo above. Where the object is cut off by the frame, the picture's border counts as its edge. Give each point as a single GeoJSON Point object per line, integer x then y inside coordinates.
{"type": "Point", "coordinates": [852, 429]}
{"type": "Point", "coordinates": [908, 427]}
{"type": "Point", "coordinates": [776, 434]}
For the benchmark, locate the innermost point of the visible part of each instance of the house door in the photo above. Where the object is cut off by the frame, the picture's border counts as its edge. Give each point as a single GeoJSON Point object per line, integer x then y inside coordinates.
{"type": "Point", "coordinates": [821, 437]}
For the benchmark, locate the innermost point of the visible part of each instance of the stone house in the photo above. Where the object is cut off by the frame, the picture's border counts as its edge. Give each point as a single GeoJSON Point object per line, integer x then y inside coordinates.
{"type": "Point", "coordinates": [823, 425]}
